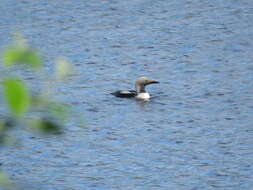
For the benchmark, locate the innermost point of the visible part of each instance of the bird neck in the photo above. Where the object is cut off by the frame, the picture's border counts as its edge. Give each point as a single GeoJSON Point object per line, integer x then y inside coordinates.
{"type": "Point", "coordinates": [140, 88]}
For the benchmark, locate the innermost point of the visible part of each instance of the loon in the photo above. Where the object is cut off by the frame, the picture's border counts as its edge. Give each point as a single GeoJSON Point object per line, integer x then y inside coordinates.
{"type": "Point", "coordinates": [139, 91]}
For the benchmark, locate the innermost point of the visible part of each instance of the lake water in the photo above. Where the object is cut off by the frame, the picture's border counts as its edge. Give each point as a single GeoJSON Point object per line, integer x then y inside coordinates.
{"type": "Point", "coordinates": [196, 133]}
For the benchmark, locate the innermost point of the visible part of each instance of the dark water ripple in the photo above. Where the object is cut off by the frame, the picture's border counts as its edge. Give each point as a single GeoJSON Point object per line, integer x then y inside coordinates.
{"type": "Point", "coordinates": [196, 133]}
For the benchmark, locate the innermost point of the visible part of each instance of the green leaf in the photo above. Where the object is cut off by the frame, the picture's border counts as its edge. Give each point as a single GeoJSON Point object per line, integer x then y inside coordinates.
{"type": "Point", "coordinates": [32, 58]}
{"type": "Point", "coordinates": [21, 55]}
{"type": "Point", "coordinates": [46, 126]}
{"type": "Point", "coordinates": [58, 110]}
{"type": "Point", "coordinates": [10, 56]}
{"type": "Point", "coordinates": [62, 68]}
{"type": "Point", "coordinates": [17, 96]}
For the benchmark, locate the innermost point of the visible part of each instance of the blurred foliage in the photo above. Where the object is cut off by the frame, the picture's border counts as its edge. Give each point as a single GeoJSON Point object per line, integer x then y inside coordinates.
{"type": "Point", "coordinates": [17, 96]}
{"type": "Point", "coordinates": [24, 104]}
{"type": "Point", "coordinates": [5, 126]}
{"type": "Point", "coordinates": [34, 111]}
{"type": "Point", "coordinates": [46, 125]}
{"type": "Point", "coordinates": [62, 68]}
{"type": "Point", "coordinates": [21, 53]}
{"type": "Point", "coordinates": [14, 55]}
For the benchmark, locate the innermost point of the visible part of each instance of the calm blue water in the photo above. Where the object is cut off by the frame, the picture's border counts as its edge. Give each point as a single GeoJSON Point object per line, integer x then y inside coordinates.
{"type": "Point", "coordinates": [197, 131]}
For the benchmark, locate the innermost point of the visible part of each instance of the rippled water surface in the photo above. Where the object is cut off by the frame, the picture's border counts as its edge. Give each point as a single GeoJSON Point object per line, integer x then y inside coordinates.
{"type": "Point", "coordinates": [196, 133]}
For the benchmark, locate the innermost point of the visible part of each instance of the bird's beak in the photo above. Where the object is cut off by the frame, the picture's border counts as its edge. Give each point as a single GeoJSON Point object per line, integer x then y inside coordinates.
{"type": "Point", "coordinates": [153, 82]}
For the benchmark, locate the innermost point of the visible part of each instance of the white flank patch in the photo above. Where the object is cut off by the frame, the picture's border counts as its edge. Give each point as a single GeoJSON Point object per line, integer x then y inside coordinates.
{"type": "Point", "coordinates": [125, 92]}
{"type": "Point", "coordinates": [143, 96]}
